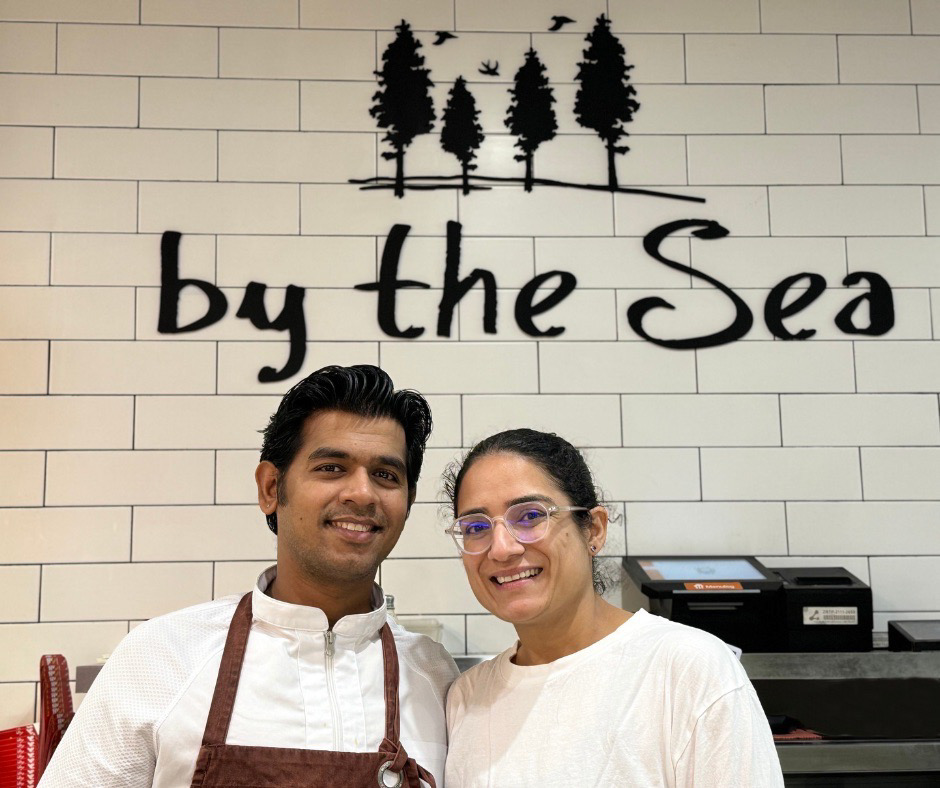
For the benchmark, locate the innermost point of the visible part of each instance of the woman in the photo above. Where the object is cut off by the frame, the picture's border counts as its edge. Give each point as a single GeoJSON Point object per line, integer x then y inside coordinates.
{"type": "Point", "coordinates": [591, 695]}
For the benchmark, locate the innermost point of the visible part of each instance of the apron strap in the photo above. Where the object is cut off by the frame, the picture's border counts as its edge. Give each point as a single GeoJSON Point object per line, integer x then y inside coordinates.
{"type": "Point", "coordinates": [398, 760]}
{"type": "Point", "coordinates": [392, 744]}
{"type": "Point", "coordinates": [390, 660]}
{"type": "Point", "coordinates": [226, 685]}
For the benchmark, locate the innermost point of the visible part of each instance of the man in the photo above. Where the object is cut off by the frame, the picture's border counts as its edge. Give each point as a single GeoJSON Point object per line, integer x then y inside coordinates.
{"type": "Point", "coordinates": [317, 692]}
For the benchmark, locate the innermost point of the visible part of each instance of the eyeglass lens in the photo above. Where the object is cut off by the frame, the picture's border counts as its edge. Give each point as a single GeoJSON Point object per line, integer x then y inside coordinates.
{"type": "Point", "coordinates": [526, 522]}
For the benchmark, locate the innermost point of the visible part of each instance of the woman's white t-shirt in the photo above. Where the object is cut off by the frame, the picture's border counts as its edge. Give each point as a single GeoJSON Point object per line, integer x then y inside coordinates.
{"type": "Point", "coordinates": [654, 703]}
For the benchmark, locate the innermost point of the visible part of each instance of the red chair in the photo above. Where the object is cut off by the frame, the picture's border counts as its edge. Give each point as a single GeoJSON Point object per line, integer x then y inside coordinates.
{"type": "Point", "coordinates": [57, 710]}
{"type": "Point", "coordinates": [18, 755]}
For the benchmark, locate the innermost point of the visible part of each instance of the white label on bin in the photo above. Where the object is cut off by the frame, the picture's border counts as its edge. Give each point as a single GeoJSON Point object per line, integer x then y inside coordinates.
{"type": "Point", "coordinates": [830, 615]}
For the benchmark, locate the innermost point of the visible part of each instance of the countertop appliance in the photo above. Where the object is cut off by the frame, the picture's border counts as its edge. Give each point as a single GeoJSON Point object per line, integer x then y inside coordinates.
{"type": "Point", "coordinates": [750, 606]}
{"type": "Point", "coordinates": [735, 598]}
{"type": "Point", "coordinates": [825, 609]}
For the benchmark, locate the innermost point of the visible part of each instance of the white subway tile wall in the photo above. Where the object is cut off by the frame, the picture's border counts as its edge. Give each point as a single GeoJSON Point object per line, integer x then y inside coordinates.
{"type": "Point", "coordinates": [227, 533]}
{"type": "Point", "coordinates": [25, 365]}
{"type": "Point", "coordinates": [762, 59]}
{"type": "Point", "coordinates": [49, 534]}
{"type": "Point", "coordinates": [97, 206]}
{"type": "Point", "coordinates": [932, 209]}
{"type": "Point", "coordinates": [925, 16]}
{"type": "Point", "coordinates": [835, 16]}
{"type": "Point", "coordinates": [136, 154]}
{"type": "Point", "coordinates": [40, 100]}
{"type": "Point", "coordinates": [27, 47]}
{"type": "Point", "coordinates": [929, 104]}
{"type": "Point", "coordinates": [214, 13]}
{"type": "Point", "coordinates": [807, 128]}
{"type": "Point", "coordinates": [893, 60]}
{"type": "Point", "coordinates": [19, 603]}
{"type": "Point", "coordinates": [688, 16]}
{"type": "Point", "coordinates": [841, 109]}
{"type": "Point", "coordinates": [25, 152]}
{"type": "Point", "coordinates": [24, 258]}
{"type": "Point", "coordinates": [235, 577]}
{"type": "Point", "coordinates": [137, 50]}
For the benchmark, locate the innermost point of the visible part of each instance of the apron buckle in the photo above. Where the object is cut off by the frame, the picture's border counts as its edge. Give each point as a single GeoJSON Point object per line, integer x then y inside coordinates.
{"type": "Point", "coordinates": [397, 776]}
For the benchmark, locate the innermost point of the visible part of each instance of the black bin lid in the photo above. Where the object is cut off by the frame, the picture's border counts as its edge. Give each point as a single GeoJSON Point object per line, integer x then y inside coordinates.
{"type": "Point", "coordinates": [818, 577]}
{"type": "Point", "coordinates": [916, 635]}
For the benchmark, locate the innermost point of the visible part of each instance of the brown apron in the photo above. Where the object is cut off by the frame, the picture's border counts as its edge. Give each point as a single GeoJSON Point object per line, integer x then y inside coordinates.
{"type": "Point", "coordinates": [222, 765]}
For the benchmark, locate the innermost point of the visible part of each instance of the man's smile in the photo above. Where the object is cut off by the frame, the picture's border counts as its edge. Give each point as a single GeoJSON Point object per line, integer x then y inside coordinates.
{"type": "Point", "coordinates": [356, 530]}
{"type": "Point", "coordinates": [354, 526]}
{"type": "Point", "coordinates": [354, 522]}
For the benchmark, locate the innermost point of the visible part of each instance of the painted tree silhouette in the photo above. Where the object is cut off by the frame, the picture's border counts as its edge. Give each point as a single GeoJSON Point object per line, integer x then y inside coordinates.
{"type": "Point", "coordinates": [404, 106]}
{"type": "Point", "coordinates": [604, 101]}
{"type": "Point", "coordinates": [461, 134]}
{"type": "Point", "coordinates": [531, 117]}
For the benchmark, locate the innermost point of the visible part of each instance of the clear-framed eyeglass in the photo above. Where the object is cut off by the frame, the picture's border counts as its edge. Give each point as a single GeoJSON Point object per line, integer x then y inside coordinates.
{"type": "Point", "coordinates": [527, 522]}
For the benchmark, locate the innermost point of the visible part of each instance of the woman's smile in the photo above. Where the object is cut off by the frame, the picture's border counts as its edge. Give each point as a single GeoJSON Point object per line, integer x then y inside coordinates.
{"type": "Point", "coordinates": [515, 578]}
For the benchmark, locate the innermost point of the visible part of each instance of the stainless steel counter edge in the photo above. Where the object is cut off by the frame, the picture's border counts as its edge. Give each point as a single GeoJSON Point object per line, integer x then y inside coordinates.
{"type": "Point", "coordinates": [813, 757]}
{"type": "Point", "coordinates": [844, 665]}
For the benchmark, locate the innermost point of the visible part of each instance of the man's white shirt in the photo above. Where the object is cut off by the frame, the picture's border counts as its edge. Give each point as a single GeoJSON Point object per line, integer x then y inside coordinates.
{"type": "Point", "coordinates": [142, 722]}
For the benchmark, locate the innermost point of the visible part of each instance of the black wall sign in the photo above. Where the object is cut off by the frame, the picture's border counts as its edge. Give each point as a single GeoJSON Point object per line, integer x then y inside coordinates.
{"type": "Point", "coordinates": [604, 103]}
{"type": "Point", "coordinates": [404, 109]}
{"type": "Point", "coordinates": [526, 308]}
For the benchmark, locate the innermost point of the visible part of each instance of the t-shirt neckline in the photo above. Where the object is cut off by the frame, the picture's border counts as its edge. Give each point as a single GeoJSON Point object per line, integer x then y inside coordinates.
{"type": "Point", "coordinates": [515, 674]}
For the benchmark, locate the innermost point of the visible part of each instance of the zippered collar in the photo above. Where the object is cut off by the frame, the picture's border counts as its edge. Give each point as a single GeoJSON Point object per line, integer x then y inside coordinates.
{"type": "Point", "coordinates": [358, 627]}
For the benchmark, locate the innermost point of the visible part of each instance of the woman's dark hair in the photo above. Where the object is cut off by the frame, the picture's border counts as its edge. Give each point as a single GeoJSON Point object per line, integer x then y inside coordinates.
{"type": "Point", "coordinates": [363, 390]}
{"type": "Point", "coordinates": [557, 458]}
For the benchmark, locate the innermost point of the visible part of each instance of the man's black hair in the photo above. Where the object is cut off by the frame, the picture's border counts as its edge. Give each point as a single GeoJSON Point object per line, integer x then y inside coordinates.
{"type": "Point", "coordinates": [363, 390]}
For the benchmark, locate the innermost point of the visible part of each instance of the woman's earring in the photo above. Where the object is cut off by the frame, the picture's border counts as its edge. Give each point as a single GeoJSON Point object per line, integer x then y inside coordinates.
{"type": "Point", "coordinates": [593, 548]}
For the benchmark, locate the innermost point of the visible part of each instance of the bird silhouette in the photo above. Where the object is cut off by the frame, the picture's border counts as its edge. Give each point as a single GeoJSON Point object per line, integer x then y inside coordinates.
{"type": "Point", "coordinates": [559, 22]}
{"type": "Point", "coordinates": [442, 36]}
{"type": "Point", "coordinates": [489, 69]}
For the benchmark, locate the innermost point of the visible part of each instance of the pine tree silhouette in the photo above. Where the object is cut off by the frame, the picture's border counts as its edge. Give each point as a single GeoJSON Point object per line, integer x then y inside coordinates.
{"type": "Point", "coordinates": [461, 134]}
{"type": "Point", "coordinates": [604, 101]}
{"type": "Point", "coordinates": [531, 117]}
{"type": "Point", "coordinates": [404, 106]}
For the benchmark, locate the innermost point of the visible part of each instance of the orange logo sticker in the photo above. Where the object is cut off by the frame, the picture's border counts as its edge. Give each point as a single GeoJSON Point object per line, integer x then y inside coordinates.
{"type": "Point", "coordinates": [714, 587]}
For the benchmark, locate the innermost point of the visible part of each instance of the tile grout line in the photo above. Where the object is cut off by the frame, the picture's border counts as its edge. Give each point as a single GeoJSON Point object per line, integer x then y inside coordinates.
{"type": "Point", "coordinates": [621, 404]}
{"type": "Point", "coordinates": [45, 476]}
{"type": "Point", "coordinates": [861, 474]}
{"type": "Point", "coordinates": [39, 600]}
{"type": "Point", "coordinates": [130, 541]}
{"type": "Point", "coordinates": [701, 474]}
